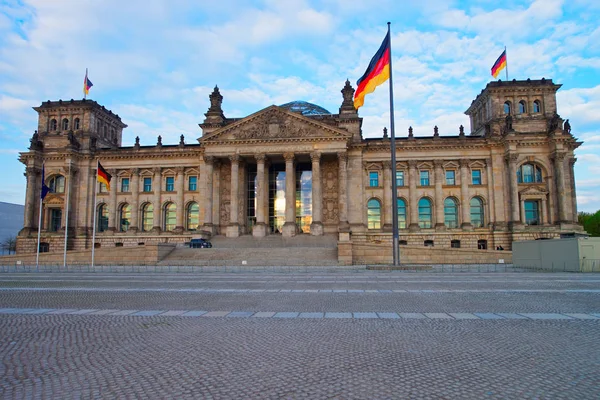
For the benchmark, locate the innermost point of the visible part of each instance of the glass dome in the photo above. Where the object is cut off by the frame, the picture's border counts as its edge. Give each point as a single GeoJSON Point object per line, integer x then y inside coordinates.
{"type": "Point", "coordinates": [305, 108]}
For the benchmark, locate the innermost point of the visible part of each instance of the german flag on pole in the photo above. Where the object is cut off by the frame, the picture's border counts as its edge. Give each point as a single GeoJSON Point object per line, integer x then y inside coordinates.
{"type": "Point", "coordinates": [377, 73]}
{"type": "Point", "coordinates": [103, 176]}
{"type": "Point", "coordinates": [499, 65]}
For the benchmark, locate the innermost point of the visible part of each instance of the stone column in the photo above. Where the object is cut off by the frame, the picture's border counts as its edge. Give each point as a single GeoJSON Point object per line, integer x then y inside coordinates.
{"type": "Point", "coordinates": [316, 227]}
{"type": "Point", "coordinates": [387, 205]}
{"type": "Point", "coordinates": [233, 229]}
{"type": "Point", "coordinates": [289, 228]}
{"type": "Point", "coordinates": [31, 174]}
{"type": "Point", "coordinates": [439, 195]}
{"type": "Point", "coordinates": [208, 195]}
{"type": "Point", "coordinates": [412, 194]}
{"type": "Point", "coordinates": [490, 215]}
{"type": "Point", "coordinates": [260, 228]}
{"type": "Point", "coordinates": [514, 189]}
{"type": "Point", "coordinates": [464, 194]}
{"type": "Point", "coordinates": [344, 226]}
{"type": "Point", "coordinates": [543, 214]}
{"type": "Point", "coordinates": [157, 186]}
{"type": "Point", "coordinates": [573, 189]}
{"type": "Point", "coordinates": [113, 215]}
{"type": "Point", "coordinates": [180, 187]}
{"type": "Point", "coordinates": [135, 202]}
{"type": "Point", "coordinates": [559, 172]}
{"type": "Point", "coordinates": [522, 211]}
{"type": "Point", "coordinates": [70, 172]}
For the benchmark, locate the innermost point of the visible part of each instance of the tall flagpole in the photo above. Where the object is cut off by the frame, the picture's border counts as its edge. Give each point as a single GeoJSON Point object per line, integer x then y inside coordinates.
{"type": "Point", "coordinates": [37, 256]}
{"type": "Point", "coordinates": [395, 240]}
{"type": "Point", "coordinates": [68, 200]}
{"type": "Point", "coordinates": [506, 68]}
{"type": "Point", "coordinates": [95, 214]}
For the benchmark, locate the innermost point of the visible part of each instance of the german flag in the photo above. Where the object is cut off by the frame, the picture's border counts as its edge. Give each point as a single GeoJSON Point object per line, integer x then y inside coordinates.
{"type": "Point", "coordinates": [499, 65]}
{"type": "Point", "coordinates": [103, 176]}
{"type": "Point", "coordinates": [377, 73]}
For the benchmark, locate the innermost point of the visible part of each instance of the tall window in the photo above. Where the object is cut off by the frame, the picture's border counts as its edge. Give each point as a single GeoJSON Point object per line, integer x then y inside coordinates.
{"type": "Point", "coordinates": [477, 212]}
{"type": "Point", "coordinates": [532, 215]}
{"type": "Point", "coordinates": [424, 178]}
{"type": "Point", "coordinates": [124, 184]}
{"type": "Point", "coordinates": [55, 219]}
{"type": "Point", "coordinates": [102, 218]}
{"type": "Point", "coordinates": [125, 218]}
{"type": "Point", "coordinates": [147, 217]}
{"type": "Point", "coordinates": [536, 106]}
{"type": "Point", "coordinates": [507, 107]}
{"type": "Point", "coordinates": [192, 183]}
{"type": "Point", "coordinates": [374, 214]}
{"type": "Point", "coordinates": [170, 217]}
{"type": "Point", "coordinates": [399, 178]}
{"type": "Point", "coordinates": [450, 213]}
{"type": "Point", "coordinates": [450, 178]}
{"type": "Point", "coordinates": [476, 177]}
{"type": "Point", "coordinates": [529, 173]}
{"type": "Point", "coordinates": [53, 125]}
{"type": "Point", "coordinates": [147, 184]}
{"type": "Point", "coordinates": [522, 107]}
{"type": "Point", "coordinates": [373, 179]}
{"type": "Point", "coordinates": [170, 184]}
{"type": "Point", "coordinates": [401, 214]}
{"type": "Point", "coordinates": [193, 214]}
{"type": "Point", "coordinates": [425, 213]}
{"type": "Point", "coordinates": [77, 124]}
{"type": "Point", "coordinates": [65, 124]}
{"type": "Point", "coordinates": [57, 184]}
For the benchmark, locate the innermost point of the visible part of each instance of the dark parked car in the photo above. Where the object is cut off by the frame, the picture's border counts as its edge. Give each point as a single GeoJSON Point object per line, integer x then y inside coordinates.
{"type": "Point", "coordinates": [200, 243]}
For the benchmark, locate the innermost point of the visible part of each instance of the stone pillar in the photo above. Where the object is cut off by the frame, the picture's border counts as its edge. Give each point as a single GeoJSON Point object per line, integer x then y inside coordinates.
{"type": "Point", "coordinates": [386, 207]}
{"type": "Point", "coordinates": [572, 161]}
{"type": "Point", "coordinates": [135, 200]}
{"type": "Point", "coordinates": [156, 185]}
{"type": "Point", "coordinates": [113, 215]}
{"type": "Point", "coordinates": [543, 214]}
{"type": "Point", "coordinates": [439, 195]}
{"type": "Point", "coordinates": [514, 190]}
{"type": "Point", "coordinates": [464, 195]}
{"type": "Point", "coordinates": [180, 187]}
{"type": "Point", "coordinates": [70, 172]}
{"type": "Point", "coordinates": [208, 195]}
{"type": "Point", "coordinates": [559, 172]}
{"type": "Point", "coordinates": [289, 228]}
{"type": "Point", "coordinates": [233, 229]}
{"type": "Point", "coordinates": [522, 211]}
{"type": "Point", "coordinates": [344, 226]}
{"type": "Point", "coordinates": [412, 194]}
{"type": "Point", "coordinates": [490, 213]}
{"type": "Point", "coordinates": [316, 227]}
{"type": "Point", "coordinates": [31, 201]}
{"type": "Point", "coordinates": [260, 228]}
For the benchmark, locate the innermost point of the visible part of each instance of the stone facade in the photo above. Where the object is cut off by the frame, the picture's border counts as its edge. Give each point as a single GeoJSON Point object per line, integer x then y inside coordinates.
{"type": "Point", "coordinates": [280, 171]}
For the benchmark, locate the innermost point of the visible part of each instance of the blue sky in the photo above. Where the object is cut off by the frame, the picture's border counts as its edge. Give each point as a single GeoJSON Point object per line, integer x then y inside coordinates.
{"type": "Point", "coordinates": [155, 62]}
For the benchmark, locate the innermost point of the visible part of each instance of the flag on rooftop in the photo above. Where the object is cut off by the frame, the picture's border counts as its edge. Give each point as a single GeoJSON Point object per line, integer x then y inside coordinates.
{"type": "Point", "coordinates": [499, 65]}
{"type": "Point", "coordinates": [87, 84]}
{"type": "Point", "coordinates": [377, 72]}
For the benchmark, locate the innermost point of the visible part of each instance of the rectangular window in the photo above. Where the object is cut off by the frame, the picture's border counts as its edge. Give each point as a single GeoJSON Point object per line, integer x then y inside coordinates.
{"type": "Point", "coordinates": [102, 188]}
{"type": "Point", "coordinates": [55, 219]}
{"type": "Point", "coordinates": [532, 215]}
{"type": "Point", "coordinates": [373, 179]}
{"type": "Point", "coordinates": [192, 183]}
{"type": "Point", "coordinates": [476, 177]}
{"type": "Point", "coordinates": [424, 178]}
{"type": "Point", "coordinates": [399, 178]}
{"type": "Point", "coordinates": [147, 184]}
{"type": "Point", "coordinates": [450, 178]}
{"type": "Point", "coordinates": [124, 184]}
{"type": "Point", "coordinates": [170, 184]}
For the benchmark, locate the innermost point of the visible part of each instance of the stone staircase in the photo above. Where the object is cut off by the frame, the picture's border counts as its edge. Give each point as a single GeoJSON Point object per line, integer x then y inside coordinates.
{"type": "Point", "coordinates": [272, 250]}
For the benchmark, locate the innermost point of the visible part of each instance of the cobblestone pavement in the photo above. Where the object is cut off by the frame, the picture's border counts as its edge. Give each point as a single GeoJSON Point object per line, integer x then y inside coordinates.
{"type": "Point", "coordinates": [350, 335]}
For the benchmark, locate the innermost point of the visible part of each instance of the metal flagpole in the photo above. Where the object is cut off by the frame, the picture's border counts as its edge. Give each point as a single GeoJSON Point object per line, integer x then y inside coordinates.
{"type": "Point", "coordinates": [506, 56]}
{"type": "Point", "coordinates": [37, 256]}
{"type": "Point", "coordinates": [395, 240]}
{"type": "Point", "coordinates": [68, 200]}
{"type": "Point", "coordinates": [95, 213]}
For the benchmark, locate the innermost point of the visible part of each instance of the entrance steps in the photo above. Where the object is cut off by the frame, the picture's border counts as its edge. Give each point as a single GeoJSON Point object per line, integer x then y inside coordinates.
{"type": "Point", "coordinates": [272, 250]}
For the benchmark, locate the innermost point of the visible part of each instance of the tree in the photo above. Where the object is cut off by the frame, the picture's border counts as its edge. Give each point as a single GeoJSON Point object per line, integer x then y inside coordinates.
{"type": "Point", "coordinates": [592, 224]}
{"type": "Point", "coordinates": [10, 244]}
{"type": "Point", "coordinates": [583, 216]}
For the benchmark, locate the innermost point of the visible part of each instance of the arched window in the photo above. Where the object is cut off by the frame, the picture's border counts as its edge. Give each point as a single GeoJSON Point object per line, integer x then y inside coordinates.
{"type": "Point", "coordinates": [124, 218]}
{"type": "Point", "coordinates": [522, 107]}
{"type": "Point", "coordinates": [536, 106]}
{"type": "Point", "coordinates": [65, 124]}
{"type": "Point", "coordinates": [53, 125]}
{"type": "Point", "coordinates": [102, 217]}
{"type": "Point", "coordinates": [170, 217]}
{"type": "Point", "coordinates": [477, 212]}
{"type": "Point", "coordinates": [76, 124]}
{"type": "Point", "coordinates": [529, 173]}
{"type": "Point", "coordinates": [147, 217]}
{"type": "Point", "coordinates": [193, 215]}
{"type": "Point", "coordinates": [450, 213]}
{"type": "Point", "coordinates": [57, 184]}
{"type": "Point", "coordinates": [401, 214]}
{"type": "Point", "coordinates": [374, 214]}
{"type": "Point", "coordinates": [425, 213]}
{"type": "Point", "coordinates": [507, 107]}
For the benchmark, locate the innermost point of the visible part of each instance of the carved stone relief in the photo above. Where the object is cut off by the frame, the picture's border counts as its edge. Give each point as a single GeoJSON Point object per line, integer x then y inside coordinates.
{"type": "Point", "coordinates": [330, 191]}
{"type": "Point", "coordinates": [225, 195]}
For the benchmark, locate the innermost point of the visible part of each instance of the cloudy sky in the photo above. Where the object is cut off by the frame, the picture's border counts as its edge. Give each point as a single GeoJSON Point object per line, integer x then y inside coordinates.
{"type": "Point", "coordinates": [155, 62]}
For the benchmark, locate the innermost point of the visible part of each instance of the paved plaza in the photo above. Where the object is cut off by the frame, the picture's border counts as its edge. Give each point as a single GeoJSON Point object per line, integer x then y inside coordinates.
{"type": "Point", "coordinates": [353, 334]}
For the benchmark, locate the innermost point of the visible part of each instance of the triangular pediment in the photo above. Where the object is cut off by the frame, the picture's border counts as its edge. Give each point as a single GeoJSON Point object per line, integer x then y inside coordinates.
{"type": "Point", "coordinates": [534, 191]}
{"type": "Point", "coordinates": [275, 124]}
